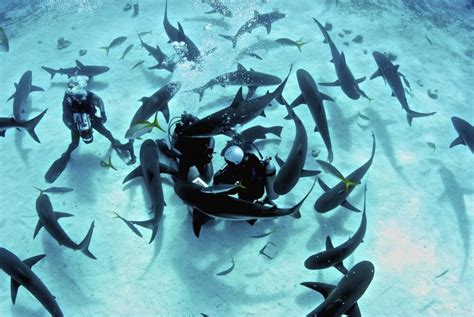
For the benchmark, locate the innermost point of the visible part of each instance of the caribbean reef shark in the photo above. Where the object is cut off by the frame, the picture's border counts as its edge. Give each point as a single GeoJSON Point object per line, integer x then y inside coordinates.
{"type": "Point", "coordinates": [333, 197]}
{"type": "Point", "coordinates": [29, 126]}
{"type": "Point", "coordinates": [218, 7]}
{"type": "Point", "coordinates": [164, 62]}
{"type": "Point", "coordinates": [311, 96]}
{"type": "Point", "coordinates": [80, 69]}
{"type": "Point", "coordinates": [240, 112]}
{"type": "Point", "coordinates": [391, 75]}
{"type": "Point", "coordinates": [291, 170]}
{"type": "Point", "coordinates": [22, 91]}
{"type": "Point", "coordinates": [240, 77]}
{"type": "Point", "coordinates": [258, 20]}
{"type": "Point", "coordinates": [49, 220]}
{"type": "Point", "coordinates": [465, 131]}
{"type": "Point", "coordinates": [334, 256]}
{"type": "Point", "coordinates": [342, 299]}
{"type": "Point", "coordinates": [345, 79]}
{"type": "Point", "coordinates": [149, 170]}
{"type": "Point", "coordinates": [177, 35]}
{"type": "Point", "coordinates": [22, 275]}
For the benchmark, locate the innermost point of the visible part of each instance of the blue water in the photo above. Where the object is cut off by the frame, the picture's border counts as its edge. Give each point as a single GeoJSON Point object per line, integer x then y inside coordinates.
{"type": "Point", "coordinates": [419, 191]}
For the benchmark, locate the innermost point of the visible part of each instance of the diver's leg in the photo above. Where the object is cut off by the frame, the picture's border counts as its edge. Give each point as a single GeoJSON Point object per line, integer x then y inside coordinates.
{"type": "Point", "coordinates": [183, 169]}
{"type": "Point", "coordinates": [60, 164]}
{"type": "Point", "coordinates": [116, 145]}
{"type": "Point", "coordinates": [206, 171]}
{"type": "Point", "coordinates": [270, 175]}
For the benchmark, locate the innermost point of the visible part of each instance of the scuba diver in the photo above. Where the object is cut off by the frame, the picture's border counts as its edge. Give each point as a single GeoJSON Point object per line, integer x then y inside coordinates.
{"type": "Point", "coordinates": [192, 151]}
{"type": "Point", "coordinates": [253, 175]}
{"type": "Point", "coordinates": [79, 115]}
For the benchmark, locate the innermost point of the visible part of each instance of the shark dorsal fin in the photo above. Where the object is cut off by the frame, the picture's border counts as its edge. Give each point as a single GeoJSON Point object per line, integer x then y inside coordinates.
{"type": "Point", "coordinates": [79, 64]}
{"type": "Point", "coordinates": [241, 68]}
{"type": "Point", "coordinates": [239, 97]}
{"type": "Point", "coordinates": [396, 66]}
{"type": "Point", "coordinates": [181, 36]}
{"type": "Point", "coordinates": [329, 245]}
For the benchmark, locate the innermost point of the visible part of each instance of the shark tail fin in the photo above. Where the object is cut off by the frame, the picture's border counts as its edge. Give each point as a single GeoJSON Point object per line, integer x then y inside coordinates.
{"type": "Point", "coordinates": [296, 209]}
{"type": "Point", "coordinates": [413, 114]}
{"type": "Point", "coordinates": [151, 224]}
{"type": "Point", "coordinates": [233, 39]}
{"type": "Point", "coordinates": [31, 125]}
{"type": "Point", "coordinates": [106, 48]}
{"type": "Point", "coordinates": [84, 245]}
{"type": "Point", "coordinates": [51, 71]}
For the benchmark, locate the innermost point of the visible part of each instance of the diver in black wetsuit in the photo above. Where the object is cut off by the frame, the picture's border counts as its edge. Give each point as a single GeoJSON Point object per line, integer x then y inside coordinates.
{"type": "Point", "coordinates": [254, 176]}
{"type": "Point", "coordinates": [79, 115]}
{"type": "Point", "coordinates": [192, 151]}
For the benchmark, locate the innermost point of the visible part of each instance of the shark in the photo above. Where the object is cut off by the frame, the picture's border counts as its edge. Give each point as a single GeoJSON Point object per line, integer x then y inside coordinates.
{"type": "Point", "coordinates": [164, 62]}
{"type": "Point", "coordinates": [29, 126]}
{"type": "Point", "coordinates": [241, 77]}
{"type": "Point", "coordinates": [240, 112]}
{"type": "Point", "coordinates": [22, 275]}
{"type": "Point", "coordinates": [333, 197]}
{"type": "Point", "coordinates": [22, 91]}
{"type": "Point", "coordinates": [465, 131]}
{"type": "Point", "coordinates": [80, 69]}
{"type": "Point", "coordinates": [218, 7]}
{"type": "Point", "coordinates": [149, 170]}
{"type": "Point", "coordinates": [341, 299]}
{"type": "Point", "coordinates": [258, 20]}
{"type": "Point", "coordinates": [345, 78]}
{"type": "Point", "coordinates": [389, 72]}
{"type": "Point", "coordinates": [177, 35]}
{"type": "Point", "coordinates": [49, 220]}
{"type": "Point", "coordinates": [334, 256]}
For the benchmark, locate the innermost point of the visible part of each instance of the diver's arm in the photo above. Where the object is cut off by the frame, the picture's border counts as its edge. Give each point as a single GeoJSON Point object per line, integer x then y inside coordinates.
{"type": "Point", "coordinates": [67, 112]}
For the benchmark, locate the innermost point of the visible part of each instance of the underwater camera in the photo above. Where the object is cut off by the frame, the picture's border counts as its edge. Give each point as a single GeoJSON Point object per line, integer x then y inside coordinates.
{"type": "Point", "coordinates": [84, 126]}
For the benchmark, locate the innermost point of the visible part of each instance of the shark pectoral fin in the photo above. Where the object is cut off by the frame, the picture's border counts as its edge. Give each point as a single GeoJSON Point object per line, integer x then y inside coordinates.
{"type": "Point", "coordinates": [166, 112]}
{"type": "Point", "coordinates": [323, 185]}
{"type": "Point", "coordinates": [326, 97]}
{"type": "Point", "coordinates": [2, 133]}
{"type": "Point", "coordinates": [35, 88]}
{"type": "Point", "coordinates": [329, 245]}
{"type": "Point", "coordinates": [336, 83]}
{"type": "Point", "coordinates": [33, 260]}
{"type": "Point", "coordinates": [324, 289]}
{"type": "Point", "coordinates": [359, 80]}
{"type": "Point", "coordinates": [393, 94]}
{"type": "Point", "coordinates": [346, 204]}
{"type": "Point", "coordinates": [279, 161]}
{"type": "Point", "coordinates": [210, 12]}
{"type": "Point", "coordinates": [269, 28]}
{"type": "Point", "coordinates": [307, 173]}
{"type": "Point", "coordinates": [457, 141]}
{"type": "Point", "coordinates": [251, 221]}
{"type": "Point", "coordinates": [12, 96]}
{"type": "Point", "coordinates": [39, 225]}
{"type": "Point", "coordinates": [297, 102]}
{"type": "Point", "coordinates": [354, 311]}
{"type": "Point", "coordinates": [251, 91]}
{"type": "Point", "coordinates": [137, 172]}
{"type": "Point", "coordinates": [341, 268]}
{"type": "Point", "coordinates": [84, 245]}
{"type": "Point", "coordinates": [199, 219]}
{"type": "Point", "coordinates": [376, 74]}
{"type": "Point", "coordinates": [263, 114]}
{"type": "Point", "coordinates": [14, 286]}
{"type": "Point", "coordinates": [62, 214]}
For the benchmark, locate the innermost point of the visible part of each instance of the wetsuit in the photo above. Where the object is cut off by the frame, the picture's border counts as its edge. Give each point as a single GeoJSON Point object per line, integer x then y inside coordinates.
{"type": "Point", "coordinates": [250, 173]}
